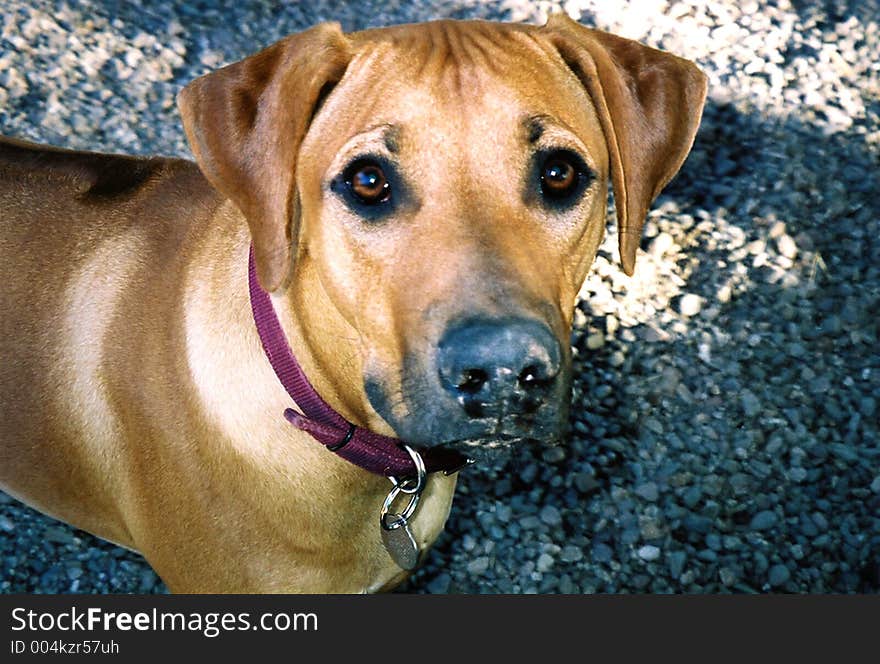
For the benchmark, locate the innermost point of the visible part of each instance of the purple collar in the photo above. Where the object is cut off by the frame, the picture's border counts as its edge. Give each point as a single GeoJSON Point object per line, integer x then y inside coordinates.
{"type": "Point", "coordinates": [374, 452]}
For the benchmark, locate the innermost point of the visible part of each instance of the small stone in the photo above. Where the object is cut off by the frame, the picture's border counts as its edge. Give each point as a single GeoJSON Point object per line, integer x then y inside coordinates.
{"type": "Point", "coordinates": [728, 576]}
{"type": "Point", "coordinates": [571, 554]}
{"type": "Point", "coordinates": [58, 535]}
{"type": "Point", "coordinates": [595, 341]}
{"type": "Point", "coordinates": [439, 585]}
{"type": "Point", "coordinates": [763, 520]}
{"type": "Point", "coordinates": [148, 580]}
{"type": "Point", "coordinates": [661, 245]}
{"type": "Point", "coordinates": [650, 528]}
{"type": "Point", "coordinates": [692, 496]}
{"type": "Point", "coordinates": [649, 553]}
{"type": "Point", "coordinates": [553, 454]}
{"type": "Point", "coordinates": [740, 483]}
{"type": "Point", "coordinates": [786, 246]}
{"type": "Point", "coordinates": [616, 359]}
{"type": "Point", "coordinates": [648, 491]}
{"type": "Point", "coordinates": [7, 526]}
{"type": "Point", "coordinates": [550, 515]}
{"type": "Point", "coordinates": [778, 575]}
{"type": "Point", "coordinates": [797, 474]}
{"type": "Point", "coordinates": [690, 305]}
{"type": "Point", "coordinates": [750, 403]}
{"type": "Point", "coordinates": [875, 485]}
{"type": "Point", "coordinates": [602, 553]}
{"type": "Point", "coordinates": [545, 562]}
{"type": "Point", "coordinates": [478, 565]}
{"type": "Point", "coordinates": [777, 230]}
{"type": "Point", "coordinates": [585, 483]}
{"type": "Point", "coordinates": [676, 560]}
{"type": "Point", "coordinates": [530, 522]}
{"type": "Point", "coordinates": [697, 523]}
{"type": "Point", "coordinates": [566, 585]}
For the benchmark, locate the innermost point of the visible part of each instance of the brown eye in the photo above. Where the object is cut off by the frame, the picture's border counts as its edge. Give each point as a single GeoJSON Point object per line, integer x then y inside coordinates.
{"type": "Point", "coordinates": [558, 177]}
{"type": "Point", "coordinates": [369, 184]}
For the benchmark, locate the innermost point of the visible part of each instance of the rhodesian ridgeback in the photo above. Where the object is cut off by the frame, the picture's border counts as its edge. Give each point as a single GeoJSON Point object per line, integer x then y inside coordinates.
{"type": "Point", "coordinates": [418, 206]}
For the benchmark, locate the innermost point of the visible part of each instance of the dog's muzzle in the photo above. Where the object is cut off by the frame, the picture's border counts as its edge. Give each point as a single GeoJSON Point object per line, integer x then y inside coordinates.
{"type": "Point", "coordinates": [498, 369]}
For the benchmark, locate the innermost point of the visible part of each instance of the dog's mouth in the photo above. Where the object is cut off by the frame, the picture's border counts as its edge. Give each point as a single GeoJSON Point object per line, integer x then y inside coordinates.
{"type": "Point", "coordinates": [496, 448]}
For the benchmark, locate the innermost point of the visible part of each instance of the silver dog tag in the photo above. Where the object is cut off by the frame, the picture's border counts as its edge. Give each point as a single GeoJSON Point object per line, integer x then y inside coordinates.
{"type": "Point", "coordinates": [399, 541]}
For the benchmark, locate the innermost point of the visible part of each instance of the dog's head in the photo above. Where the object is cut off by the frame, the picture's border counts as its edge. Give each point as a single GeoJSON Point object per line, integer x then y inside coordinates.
{"type": "Point", "coordinates": [444, 184]}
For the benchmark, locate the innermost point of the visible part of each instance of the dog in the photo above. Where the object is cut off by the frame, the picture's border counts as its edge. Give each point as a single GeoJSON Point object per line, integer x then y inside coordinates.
{"type": "Point", "coordinates": [414, 207]}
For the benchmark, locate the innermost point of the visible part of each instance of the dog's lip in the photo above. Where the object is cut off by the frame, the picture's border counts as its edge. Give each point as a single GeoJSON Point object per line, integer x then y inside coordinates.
{"type": "Point", "coordinates": [500, 441]}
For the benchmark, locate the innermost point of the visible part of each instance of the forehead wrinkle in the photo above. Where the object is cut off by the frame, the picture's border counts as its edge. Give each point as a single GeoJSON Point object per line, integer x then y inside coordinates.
{"type": "Point", "coordinates": [455, 55]}
{"type": "Point", "coordinates": [481, 46]}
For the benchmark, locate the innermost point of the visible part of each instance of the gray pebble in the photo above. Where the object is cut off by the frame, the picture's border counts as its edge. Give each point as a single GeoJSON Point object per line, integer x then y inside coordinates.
{"type": "Point", "coordinates": [554, 454]}
{"type": "Point", "coordinates": [585, 483]}
{"type": "Point", "coordinates": [763, 520]}
{"type": "Point", "coordinates": [750, 403]}
{"type": "Point", "coordinates": [440, 583]}
{"type": "Point", "coordinates": [571, 554]}
{"type": "Point", "coordinates": [550, 515]}
{"type": "Point", "coordinates": [692, 496]}
{"type": "Point", "coordinates": [649, 552]}
{"type": "Point", "coordinates": [648, 491]}
{"type": "Point", "coordinates": [676, 561]}
{"type": "Point", "coordinates": [478, 565]}
{"type": "Point", "coordinates": [602, 553]}
{"type": "Point", "coordinates": [530, 522]}
{"type": "Point", "coordinates": [727, 576]}
{"type": "Point", "coordinates": [797, 474]}
{"type": "Point", "coordinates": [778, 575]}
{"type": "Point", "coordinates": [545, 562]}
{"type": "Point", "coordinates": [58, 535]}
{"type": "Point", "coordinates": [690, 304]}
{"type": "Point", "coordinates": [567, 585]}
{"type": "Point", "coordinates": [786, 246]}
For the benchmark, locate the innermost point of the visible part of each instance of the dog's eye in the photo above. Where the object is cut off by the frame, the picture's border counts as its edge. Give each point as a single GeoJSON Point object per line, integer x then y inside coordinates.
{"type": "Point", "coordinates": [368, 183]}
{"type": "Point", "coordinates": [563, 175]}
{"type": "Point", "coordinates": [559, 176]}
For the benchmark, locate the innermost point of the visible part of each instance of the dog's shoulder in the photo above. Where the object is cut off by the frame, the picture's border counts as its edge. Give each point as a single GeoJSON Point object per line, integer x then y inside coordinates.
{"type": "Point", "coordinates": [88, 176]}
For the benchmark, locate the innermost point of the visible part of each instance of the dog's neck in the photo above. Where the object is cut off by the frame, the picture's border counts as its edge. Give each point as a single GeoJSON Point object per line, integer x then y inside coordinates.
{"type": "Point", "coordinates": [231, 355]}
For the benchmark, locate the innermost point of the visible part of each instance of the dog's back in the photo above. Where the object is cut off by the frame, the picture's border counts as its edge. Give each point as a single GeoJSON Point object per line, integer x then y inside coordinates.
{"type": "Point", "coordinates": [75, 228]}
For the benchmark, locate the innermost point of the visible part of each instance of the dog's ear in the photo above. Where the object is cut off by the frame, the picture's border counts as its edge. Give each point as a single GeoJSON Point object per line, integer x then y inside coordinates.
{"type": "Point", "coordinates": [649, 104]}
{"type": "Point", "coordinates": [245, 123]}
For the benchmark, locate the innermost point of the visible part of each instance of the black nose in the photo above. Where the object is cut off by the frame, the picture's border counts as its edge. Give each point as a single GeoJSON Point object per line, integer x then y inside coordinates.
{"type": "Point", "coordinates": [496, 368]}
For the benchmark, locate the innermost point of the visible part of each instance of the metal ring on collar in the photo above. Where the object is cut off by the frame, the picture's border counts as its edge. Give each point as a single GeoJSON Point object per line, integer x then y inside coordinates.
{"type": "Point", "coordinates": [415, 484]}
{"type": "Point", "coordinates": [405, 486]}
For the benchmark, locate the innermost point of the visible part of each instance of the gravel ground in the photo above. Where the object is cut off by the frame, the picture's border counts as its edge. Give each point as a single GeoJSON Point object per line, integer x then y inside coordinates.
{"type": "Point", "coordinates": [725, 418]}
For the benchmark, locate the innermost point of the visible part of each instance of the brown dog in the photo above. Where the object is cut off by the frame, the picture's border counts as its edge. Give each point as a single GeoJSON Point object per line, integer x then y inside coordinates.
{"type": "Point", "coordinates": [424, 203]}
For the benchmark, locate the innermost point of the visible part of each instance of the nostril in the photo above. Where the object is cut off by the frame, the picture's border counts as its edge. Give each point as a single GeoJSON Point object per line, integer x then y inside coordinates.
{"type": "Point", "coordinates": [532, 376]}
{"type": "Point", "coordinates": [472, 380]}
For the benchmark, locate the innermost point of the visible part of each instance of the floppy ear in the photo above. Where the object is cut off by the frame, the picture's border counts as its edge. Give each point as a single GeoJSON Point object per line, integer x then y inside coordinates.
{"type": "Point", "coordinates": [649, 104]}
{"type": "Point", "coordinates": [245, 123]}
